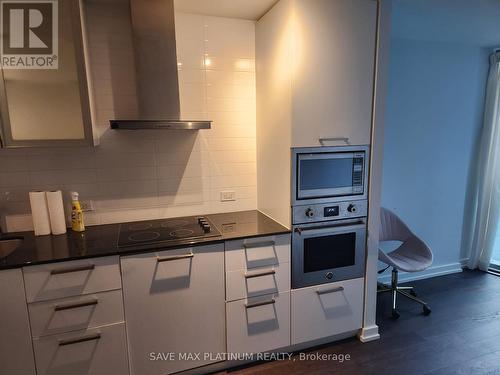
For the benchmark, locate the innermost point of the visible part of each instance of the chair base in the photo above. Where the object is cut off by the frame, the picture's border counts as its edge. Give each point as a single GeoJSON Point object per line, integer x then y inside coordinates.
{"type": "Point", "coordinates": [405, 291]}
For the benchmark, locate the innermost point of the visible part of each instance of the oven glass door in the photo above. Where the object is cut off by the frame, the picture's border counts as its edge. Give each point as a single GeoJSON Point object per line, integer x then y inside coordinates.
{"type": "Point", "coordinates": [329, 174]}
{"type": "Point", "coordinates": [323, 253]}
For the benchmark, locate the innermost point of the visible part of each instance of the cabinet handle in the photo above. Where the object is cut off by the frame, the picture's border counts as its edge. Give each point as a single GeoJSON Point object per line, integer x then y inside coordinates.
{"type": "Point", "coordinates": [333, 290]}
{"type": "Point", "coordinates": [257, 304]}
{"type": "Point", "coordinates": [334, 139]}
{"type": "Point", "coordinates": [175, 257]}
{"type": "Point", "coordinates": [76, 305]}
{"type": "Point", "coordinates": [60, 271]}
{"type": "Point", "coordinates": [259, 244]}
{"type": "Point", "coordinates": [97, 336]}
{"type": "Point", "coordinates": [265, 273]}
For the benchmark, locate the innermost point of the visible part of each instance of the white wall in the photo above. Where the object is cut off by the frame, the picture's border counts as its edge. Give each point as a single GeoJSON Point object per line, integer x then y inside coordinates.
{"type": "Point", "coordinates": [435, 105]}
{"type": "Point", "coordinates": [134, 175]}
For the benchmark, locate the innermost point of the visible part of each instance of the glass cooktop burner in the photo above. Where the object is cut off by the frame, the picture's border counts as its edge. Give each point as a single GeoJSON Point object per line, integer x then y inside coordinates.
{"type": "Point", "coordinates": [171, 231]}
{"type": "Point", "coordinates": [174, 223]}
{"type": "Point", "coordinates": [182, 233]}
{"type": "Point", "coordinates": [143, 236]}
{"type": "Point", "coordinates": [140, 226]}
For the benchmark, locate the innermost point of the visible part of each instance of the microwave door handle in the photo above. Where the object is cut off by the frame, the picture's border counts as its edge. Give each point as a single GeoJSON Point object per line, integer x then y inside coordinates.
{"type": "Point", "coordinates": [322, 141]}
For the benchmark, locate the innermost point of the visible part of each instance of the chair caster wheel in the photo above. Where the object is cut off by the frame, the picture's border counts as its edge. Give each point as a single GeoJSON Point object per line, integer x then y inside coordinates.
{"type": "Point", "coordinates": [426, 309]}
{"type": "Point", "coordinates": [395, 314]}
{"type": "Point", "coordinates": [413, 293]}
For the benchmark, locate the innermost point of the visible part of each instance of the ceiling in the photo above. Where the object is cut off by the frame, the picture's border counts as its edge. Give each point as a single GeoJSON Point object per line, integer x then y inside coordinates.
{"type": "Point", "coordinates": [460, 21]}
{"type": "Point", "coordinates": [246, 9]}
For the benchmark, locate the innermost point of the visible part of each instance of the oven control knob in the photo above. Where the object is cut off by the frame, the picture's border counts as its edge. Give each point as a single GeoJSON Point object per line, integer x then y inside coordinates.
{"type": "Point", "coordinates": [309, 212]}
{"type": "Point", "coordinates": [352, 208]}
{"type": "Point", "coordinates": [329, 275]}
{"type": "Point", "coordinates": [206, 228]}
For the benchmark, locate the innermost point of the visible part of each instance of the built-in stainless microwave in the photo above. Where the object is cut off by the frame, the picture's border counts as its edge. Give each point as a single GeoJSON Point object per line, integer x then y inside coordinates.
{"type": "Point", "coordinates": [329, 174]}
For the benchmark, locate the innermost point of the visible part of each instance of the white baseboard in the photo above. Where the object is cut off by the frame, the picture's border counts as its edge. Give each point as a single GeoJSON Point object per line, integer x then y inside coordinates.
{"type": "Point", "coordinates": [433, 271]}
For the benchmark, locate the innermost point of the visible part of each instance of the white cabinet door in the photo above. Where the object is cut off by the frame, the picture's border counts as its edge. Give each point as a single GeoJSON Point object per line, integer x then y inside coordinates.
{"type": "Point", "coordinates": [257, 281]}
{"type": "Point", "coordinates": [98, 351]}
{"type": "Point", "coordinates": [326, 310]}
{"type": "Point", "coordinates": [76, 313]}
{"type": "Point", "coordinates": [174, 303]}
{"type": "Point", "coordinates": [258, 324]}
{"type": "Point", "coordinates": [258, 252]}
{"type": "Point", "coordinates": [334, 54]}
{"type": "Point", "coordinates": [29, 96]}
{"type": "Point", "coordinates": [16, 352]}
{"type": "Point", "coordinates": [72, 278]}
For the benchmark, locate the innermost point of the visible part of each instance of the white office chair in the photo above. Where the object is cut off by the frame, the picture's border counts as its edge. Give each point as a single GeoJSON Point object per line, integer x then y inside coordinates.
{"type": "Point", "coordinates": [413, 255]}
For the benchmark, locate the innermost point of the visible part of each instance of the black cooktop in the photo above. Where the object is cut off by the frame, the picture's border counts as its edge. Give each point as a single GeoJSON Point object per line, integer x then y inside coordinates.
{"type": "Point", "coordinates": [171, 231]}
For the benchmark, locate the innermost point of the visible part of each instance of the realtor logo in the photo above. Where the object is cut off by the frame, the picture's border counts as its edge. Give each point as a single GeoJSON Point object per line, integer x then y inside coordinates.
{"type": "Point", "coordinates": [29, 34]}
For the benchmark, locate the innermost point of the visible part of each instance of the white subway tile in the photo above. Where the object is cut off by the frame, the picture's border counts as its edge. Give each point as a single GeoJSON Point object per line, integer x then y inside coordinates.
{"type": "Point", "coordinates": [120, 216]}
{"type": "Point", "coordinates": [117, 189]}
{"type": "Point", "coordinates": [62, 177]}
{"type": "Point", "coordinates": [174, 185]}
{"type": "Point", "coordinates": [150, 174]}
{"type": "Point", "coordinates": [114, 159]}
{"type": "Point", "coordinates": [58, 162]}
{"type": "Point", "coordinates": [126, 203]}
{"type": "Point", "coordinates": [13, 163]}
{"type": "Point", "coordinates": [126, 174]}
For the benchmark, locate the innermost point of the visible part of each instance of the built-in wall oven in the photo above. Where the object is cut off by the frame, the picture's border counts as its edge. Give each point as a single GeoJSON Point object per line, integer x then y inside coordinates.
{"type": "Point", "coordinates": [329, 214]}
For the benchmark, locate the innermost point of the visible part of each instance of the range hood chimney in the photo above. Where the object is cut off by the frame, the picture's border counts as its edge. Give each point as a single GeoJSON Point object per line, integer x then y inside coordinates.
{"type": "Point", "coordinates": [153, 29]}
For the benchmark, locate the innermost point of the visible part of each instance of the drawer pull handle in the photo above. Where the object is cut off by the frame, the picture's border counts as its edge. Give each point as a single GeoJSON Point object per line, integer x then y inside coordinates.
{"type": "Point", "coordinates": [97, 336]}
{"type": "Point", "coordinates": [175, 257]}
{"type": "Point", "coordinates": [265, 273]}
{"type": "Point", "coordinates": [257, 304]}
{"type": "Point", "coordinates": [61, 271]}
{"type": "Point", "coordinates": [76, 305]}
{"type": "Point", "coordinates": [259, 244]}
{"type": "Point", "coordinates": [333, 290]}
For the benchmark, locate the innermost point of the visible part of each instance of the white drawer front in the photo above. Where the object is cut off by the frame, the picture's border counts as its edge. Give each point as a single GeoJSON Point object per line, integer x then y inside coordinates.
{"type": "Point", "coordinates": [257, 281]}
{"type": "Point", "coordinates": [260, 328]}
{"type": "Point", "coordinates": [257, 252]}
{"type": "Point", "coordinates": [72, 278]}
{"type": "Point", "coordinates": [76, 313]}
{"type": "Point", "coordinates": [326, 310]}
{"type": "Point", "coordinates": [101, 351]}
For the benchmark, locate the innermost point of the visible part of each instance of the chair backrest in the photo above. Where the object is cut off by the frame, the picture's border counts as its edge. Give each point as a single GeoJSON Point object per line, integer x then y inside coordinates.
{"type": "Point", "coordinates": [392, 228]}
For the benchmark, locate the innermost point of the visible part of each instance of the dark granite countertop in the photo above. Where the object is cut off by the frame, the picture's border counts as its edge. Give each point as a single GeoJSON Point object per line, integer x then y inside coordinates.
{"type": "Point", "coordinates": [101, 240]}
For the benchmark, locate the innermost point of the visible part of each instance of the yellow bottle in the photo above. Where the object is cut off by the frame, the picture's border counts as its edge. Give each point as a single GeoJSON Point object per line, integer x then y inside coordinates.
{"type": "Point", "coordinates": [76, 213]}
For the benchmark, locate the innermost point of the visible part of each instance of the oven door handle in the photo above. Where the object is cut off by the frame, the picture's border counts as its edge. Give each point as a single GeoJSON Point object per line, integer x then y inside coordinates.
{"type": "Point", "coordinates": [340, 227]}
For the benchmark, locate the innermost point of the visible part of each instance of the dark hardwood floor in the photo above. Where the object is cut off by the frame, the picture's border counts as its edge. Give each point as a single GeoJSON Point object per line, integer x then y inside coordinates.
{"type": "Point", "coordinates": [461, 336]}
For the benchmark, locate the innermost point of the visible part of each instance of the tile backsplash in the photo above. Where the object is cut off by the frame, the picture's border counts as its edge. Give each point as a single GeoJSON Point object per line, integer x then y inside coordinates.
{"type": "Point", "coordinates": [135, 175]}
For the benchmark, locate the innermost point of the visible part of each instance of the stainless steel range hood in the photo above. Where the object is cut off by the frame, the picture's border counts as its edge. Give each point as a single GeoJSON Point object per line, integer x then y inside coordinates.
{"type": "Point", "coordinates": [153, 29]}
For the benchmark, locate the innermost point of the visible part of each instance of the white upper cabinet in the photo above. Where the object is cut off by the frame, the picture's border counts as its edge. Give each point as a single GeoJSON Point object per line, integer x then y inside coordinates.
{"type": "Point", "coordinates": [315, 72]}
{"type": "Point", "coordinates": [48, 105]}
{"type": "Point", "coordinates": [332, 85]}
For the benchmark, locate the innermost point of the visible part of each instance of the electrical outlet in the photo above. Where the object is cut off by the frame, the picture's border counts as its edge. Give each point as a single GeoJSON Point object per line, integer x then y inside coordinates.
{"type": "Point", "coordinates": [226, 196]}
{"type": "Point", "coordinates": [87, 205]}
